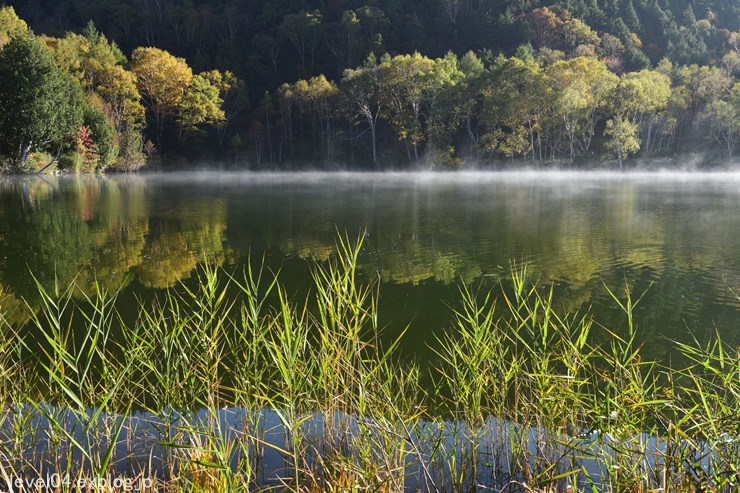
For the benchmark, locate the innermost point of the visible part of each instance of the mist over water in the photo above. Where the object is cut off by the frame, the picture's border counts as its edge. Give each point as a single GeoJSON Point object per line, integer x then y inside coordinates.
{"type": "Point", "coordinates": [674, 236]}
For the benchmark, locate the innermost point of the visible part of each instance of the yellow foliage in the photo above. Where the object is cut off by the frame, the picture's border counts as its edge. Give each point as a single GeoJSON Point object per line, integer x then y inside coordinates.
{"type": "Point", "coordinates": [646, 91]}
{"type": "Point", "coordinates": [161, 78]}
{"type": "Point", "coordinates": [10, 25]}
{"type": "Point", "coordinates": [117, 87]}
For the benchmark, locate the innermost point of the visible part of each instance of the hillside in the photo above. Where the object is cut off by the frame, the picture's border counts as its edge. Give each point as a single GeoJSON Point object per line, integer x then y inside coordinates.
{"type": "Point", "coordinates": [265, 42]}
{"type": "Point", "coordinates": [269, 44]}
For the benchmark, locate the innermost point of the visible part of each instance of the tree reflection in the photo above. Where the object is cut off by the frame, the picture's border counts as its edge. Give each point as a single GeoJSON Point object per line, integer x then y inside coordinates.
{"type": "Point", "coordinates": [142, 233]}
{"type": "Point", "coordinates": [92, 229]}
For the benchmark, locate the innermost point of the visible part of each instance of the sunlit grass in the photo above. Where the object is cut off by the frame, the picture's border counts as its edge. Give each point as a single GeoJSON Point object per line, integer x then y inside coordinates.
{"type": "Point", "coordinates": [236, 385]}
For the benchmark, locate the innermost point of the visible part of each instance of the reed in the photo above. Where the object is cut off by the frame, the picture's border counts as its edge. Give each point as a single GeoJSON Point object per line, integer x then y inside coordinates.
{"type": "Point", "coordinates": [231, 384]}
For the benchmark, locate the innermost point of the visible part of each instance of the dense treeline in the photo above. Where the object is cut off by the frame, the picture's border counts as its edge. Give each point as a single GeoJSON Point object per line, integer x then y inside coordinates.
{"type": "Point", "coordinates": [273, 42]}
{"type": "Point", "coordinates": [426, 81]}
{"type": "Point", "coordinates": [79, 101]}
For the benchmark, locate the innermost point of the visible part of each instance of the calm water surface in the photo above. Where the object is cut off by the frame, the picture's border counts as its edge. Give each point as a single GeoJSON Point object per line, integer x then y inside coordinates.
{"type": "Point", "coordinates": [674, 237]}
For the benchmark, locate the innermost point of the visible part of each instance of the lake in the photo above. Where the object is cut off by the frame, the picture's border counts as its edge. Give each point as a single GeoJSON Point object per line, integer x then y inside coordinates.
{"type": "Point", "coordinates": [672, 237]}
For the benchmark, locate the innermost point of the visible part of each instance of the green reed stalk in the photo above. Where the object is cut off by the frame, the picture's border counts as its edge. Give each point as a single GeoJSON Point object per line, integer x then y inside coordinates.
{"type": "Point", "coordinates": [71, 354]}
{"type": "Point", "coordinates": [533, 398]}
{"type": "Point", "coordinates": [292, 359]}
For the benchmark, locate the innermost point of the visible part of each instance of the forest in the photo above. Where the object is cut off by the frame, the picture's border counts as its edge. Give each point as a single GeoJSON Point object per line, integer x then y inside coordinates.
{"type": "Point", "coordinates": [378, 84]}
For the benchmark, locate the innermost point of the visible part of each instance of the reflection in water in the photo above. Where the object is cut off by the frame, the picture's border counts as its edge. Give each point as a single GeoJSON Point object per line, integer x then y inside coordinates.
{"type": "Point", "coordinates": [675, 236]}
{"type": "Point", "coordinates": [97, 229]}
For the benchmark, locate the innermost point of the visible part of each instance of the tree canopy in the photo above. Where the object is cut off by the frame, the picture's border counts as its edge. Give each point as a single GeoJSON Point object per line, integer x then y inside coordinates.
{"type": "Point", "coordinates": [419, 82]}
{"type": "Point", "coordinates": [39, 105]}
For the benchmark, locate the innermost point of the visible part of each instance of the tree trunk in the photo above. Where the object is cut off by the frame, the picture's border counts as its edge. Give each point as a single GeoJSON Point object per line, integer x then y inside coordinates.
{"type": "Point", "coordinates": [25, 150]}
{"type": "Point", "coordinates": [471, 135]}
{"type": "Point", "coordinates": [53, 160]}
{"type": "Point", "coordinates": [531, 139]}
{"type": "Point", "coordinates": [329, 140]}
{"type": "Point", "coordinates": [372, 135]}
{"type": "Point", "coordinates": [539, 146]}
{"type": "Point", "coordinates": [649, 138]}
{"type": "Point", "coordinates": [572, 149]}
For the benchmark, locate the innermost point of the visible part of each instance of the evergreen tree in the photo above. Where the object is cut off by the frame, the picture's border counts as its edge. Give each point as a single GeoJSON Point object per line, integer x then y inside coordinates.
{"type": "Point", "coordinates": [525, 53]}
{"type": "Point", "coordinates": [629, 15]}
{"type": "Point", "coordinates": [634, 58]}
{"type": "Point", "coordinates": [689, 19]}
{"type": "Point", "coordinates": [39, 105]}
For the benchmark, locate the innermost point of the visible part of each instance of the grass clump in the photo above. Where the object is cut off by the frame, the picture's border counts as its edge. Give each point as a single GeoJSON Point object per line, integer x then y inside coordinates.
{"type": "Point", "coordinates": [233, 385]}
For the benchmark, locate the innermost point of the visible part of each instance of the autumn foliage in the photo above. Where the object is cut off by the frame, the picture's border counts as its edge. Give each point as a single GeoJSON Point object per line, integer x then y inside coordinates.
{"type": "Point", "coordinates": [370, 86]}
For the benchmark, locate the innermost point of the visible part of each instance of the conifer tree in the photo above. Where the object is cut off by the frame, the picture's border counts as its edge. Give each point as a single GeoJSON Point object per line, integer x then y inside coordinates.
{"type": "Point", "coordinates": [39, 105]}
